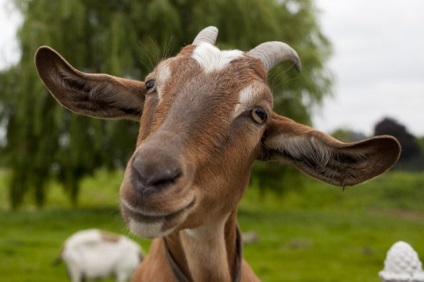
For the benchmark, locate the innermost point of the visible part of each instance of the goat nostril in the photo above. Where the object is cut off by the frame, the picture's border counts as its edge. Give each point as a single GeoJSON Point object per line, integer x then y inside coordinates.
{"type": "Point", "coordinates": [151, 177]}
{"type": "Point", "coordinates": [138, 175]}
{"type": "Point", "coordinates": [163, 177]}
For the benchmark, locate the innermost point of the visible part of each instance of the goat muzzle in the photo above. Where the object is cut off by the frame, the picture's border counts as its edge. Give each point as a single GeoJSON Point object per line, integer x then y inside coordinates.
{"type": "Point", "coordinates": [154, 174]}
{"type": "Point", "coordinates": [157, 191]}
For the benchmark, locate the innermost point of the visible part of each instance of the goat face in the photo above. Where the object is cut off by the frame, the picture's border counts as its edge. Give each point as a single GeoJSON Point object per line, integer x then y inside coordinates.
{"type": "Point", "coordinates": [205, 116]}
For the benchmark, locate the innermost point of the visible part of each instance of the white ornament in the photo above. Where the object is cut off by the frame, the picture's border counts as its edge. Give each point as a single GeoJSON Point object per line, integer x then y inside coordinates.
{"type": "Point", "coordinates": [402, 264]}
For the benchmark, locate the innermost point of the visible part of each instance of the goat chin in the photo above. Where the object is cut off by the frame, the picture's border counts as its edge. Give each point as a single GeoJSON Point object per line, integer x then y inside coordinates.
{"type": "Point", "coordinates": [148, 230]}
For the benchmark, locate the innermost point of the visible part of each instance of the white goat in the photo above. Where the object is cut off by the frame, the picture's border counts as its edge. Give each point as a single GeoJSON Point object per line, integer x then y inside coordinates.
{"type": "Point", "coordinates": [94, 254]}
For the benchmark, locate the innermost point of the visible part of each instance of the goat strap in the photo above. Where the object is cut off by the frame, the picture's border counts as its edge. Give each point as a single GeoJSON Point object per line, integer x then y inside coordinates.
{"type": "Point", "coordinates": [181, 277]}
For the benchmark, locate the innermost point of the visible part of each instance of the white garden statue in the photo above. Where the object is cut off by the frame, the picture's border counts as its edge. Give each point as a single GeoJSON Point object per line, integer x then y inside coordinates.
{"type": "Point", "coordinates": [402, 264]}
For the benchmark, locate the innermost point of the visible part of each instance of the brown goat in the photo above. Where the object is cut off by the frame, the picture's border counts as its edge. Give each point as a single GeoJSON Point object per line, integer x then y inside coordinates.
{"type": "Point", "coordinates": [205, 116]}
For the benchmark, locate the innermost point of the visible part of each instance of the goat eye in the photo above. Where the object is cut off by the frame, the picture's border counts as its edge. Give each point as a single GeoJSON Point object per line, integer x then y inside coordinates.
{"type": "Point", "coordinates": [259, 115]}
{"type": "Point", "coordinates": [150, 85]}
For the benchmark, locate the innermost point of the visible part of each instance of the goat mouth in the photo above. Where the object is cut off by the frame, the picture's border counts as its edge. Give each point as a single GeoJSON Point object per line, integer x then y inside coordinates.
{"type": "Point", "coordinates": [150, 226]}
{"type": "Point", "coordinates": [151, 217]}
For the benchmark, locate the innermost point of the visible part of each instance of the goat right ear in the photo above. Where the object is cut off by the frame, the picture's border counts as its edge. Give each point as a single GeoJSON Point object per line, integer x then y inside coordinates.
{"type": "Point", "coordinates": [95, 95]}
{"type": "Point", "coordinates": [325, 158]}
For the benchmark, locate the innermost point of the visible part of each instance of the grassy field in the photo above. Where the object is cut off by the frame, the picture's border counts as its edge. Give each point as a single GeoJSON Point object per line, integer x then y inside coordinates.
{"type": "Point", "coordinates": [317, 233]}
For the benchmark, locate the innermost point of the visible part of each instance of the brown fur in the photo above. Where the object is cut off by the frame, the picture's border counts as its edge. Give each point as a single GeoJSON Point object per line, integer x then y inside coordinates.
{"type": "Point", "coordinates": [193, 157]}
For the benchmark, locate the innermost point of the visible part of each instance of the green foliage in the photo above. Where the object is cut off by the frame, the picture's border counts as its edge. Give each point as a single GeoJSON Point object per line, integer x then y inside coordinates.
{"type": "Point", "coordinates": [347, 233]}
{"type": "Point", "coordinates": [127, 38]}
{"type": "Point", "coordinates": [420, 141]}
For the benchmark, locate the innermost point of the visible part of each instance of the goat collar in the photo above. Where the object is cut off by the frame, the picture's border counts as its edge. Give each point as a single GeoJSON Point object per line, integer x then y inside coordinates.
{"type": "Point", "coordinates": [236, 273]}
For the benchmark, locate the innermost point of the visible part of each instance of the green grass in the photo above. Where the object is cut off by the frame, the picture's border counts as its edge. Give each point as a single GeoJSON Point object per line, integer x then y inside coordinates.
{"type": "Point", "coordinates": [321, 233]}
{"type": "Point", "coordinates": [317, 233]}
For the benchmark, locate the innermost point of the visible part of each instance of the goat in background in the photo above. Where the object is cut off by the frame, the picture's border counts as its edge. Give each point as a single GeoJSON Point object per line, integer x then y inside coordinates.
{"type": "Point", "coordinates": [95, 254]}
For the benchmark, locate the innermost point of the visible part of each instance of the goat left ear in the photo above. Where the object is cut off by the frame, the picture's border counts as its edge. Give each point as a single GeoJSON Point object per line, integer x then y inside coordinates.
{"type": "Point", "coordinates": [325, 158]}
{"type": "Point", "coordinates": [96, 95]}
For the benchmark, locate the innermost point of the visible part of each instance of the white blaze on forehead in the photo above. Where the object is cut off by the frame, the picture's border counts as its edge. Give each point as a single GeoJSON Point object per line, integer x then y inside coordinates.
{"type": "Point", "coordinates": [247, 98]}
{"type": "Point", "coordinates": [163, 74]}
{"type": "Point", "coordinates": [213, 59]}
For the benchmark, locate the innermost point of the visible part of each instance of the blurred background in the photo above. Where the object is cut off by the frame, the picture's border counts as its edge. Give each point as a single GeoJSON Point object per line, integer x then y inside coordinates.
{"type": "Point", "coordinates": [363, 66]}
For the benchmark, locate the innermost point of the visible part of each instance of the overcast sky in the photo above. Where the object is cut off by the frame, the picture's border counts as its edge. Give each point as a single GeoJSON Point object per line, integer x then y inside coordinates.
{"type": "Point", "coordinates": [378, 61]}
{"type": "Point", "coordinates": [9, 22]}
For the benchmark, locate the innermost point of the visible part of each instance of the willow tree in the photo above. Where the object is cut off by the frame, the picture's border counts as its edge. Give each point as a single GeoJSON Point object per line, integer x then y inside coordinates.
{"type": "Point", "coordinates": [127, 38]}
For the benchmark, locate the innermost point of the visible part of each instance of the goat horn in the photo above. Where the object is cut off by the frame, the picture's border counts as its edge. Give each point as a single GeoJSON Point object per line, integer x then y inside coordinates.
{"type": "Point", "coordinates": [272, 53]}
{"type": "Point", "coordinates": [208, 34]}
